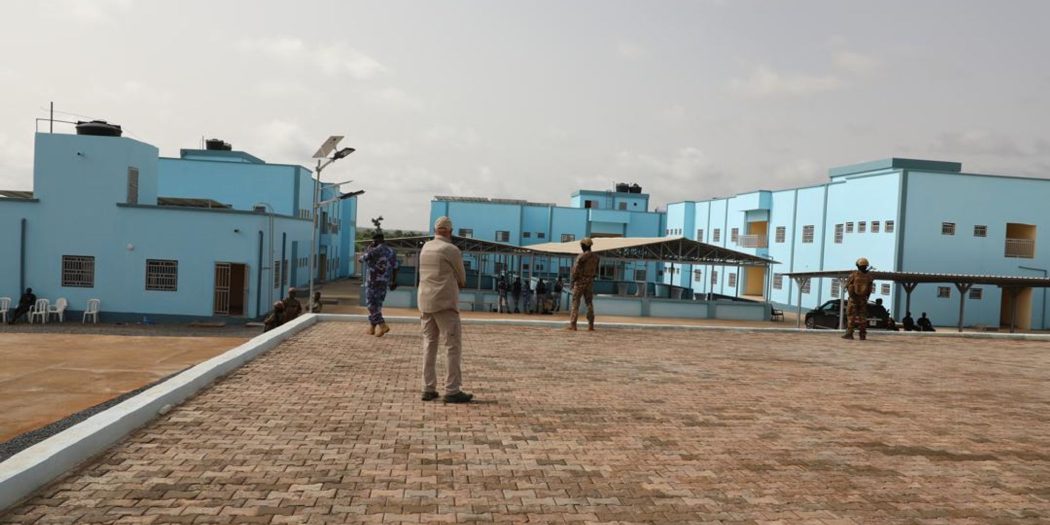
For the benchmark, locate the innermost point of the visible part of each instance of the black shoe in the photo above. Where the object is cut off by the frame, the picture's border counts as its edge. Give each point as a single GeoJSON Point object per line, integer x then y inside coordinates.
{"type": "Point", "coordinates": [459, 397]}
{"type": "Point", "coordinates": [847, 336]}
{"type": "Point", "coordinates": [429, 396]}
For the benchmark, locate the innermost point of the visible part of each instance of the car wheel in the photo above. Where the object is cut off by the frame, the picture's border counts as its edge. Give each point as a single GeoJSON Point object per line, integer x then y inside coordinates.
{"type": "Point", "coordinates": [811, 323]}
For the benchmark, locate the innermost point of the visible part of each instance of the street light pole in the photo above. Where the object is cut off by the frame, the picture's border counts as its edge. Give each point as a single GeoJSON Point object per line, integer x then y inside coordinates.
{"type": "Point", "coordinates": [323, 160]}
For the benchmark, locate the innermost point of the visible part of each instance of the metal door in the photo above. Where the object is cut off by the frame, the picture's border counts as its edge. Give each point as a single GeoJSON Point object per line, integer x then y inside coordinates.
{"type": "Point", "coordinates": [222, 288]}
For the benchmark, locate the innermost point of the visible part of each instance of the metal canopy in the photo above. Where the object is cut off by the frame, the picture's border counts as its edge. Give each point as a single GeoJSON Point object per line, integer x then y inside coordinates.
{"type": "Point", "coordinates": [463, 243]}
{"type": "Point", "coordinates": [662, 249]}
{"type": "Point", "coordinates": [909, 280]}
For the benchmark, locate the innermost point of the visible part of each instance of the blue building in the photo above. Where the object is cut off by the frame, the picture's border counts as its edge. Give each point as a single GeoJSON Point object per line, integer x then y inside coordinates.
{"type": "Point", "coordinates": [903, 215]}
{"type": "Point", "coordinates": [623, 212]}
{"type": "Point", "coordinates": [214, 233]}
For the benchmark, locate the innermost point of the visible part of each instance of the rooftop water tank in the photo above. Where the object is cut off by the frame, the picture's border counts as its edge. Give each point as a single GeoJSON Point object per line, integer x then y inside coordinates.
{"type": "Point", "coordinates": [622, 187]}
{"type": "Point", "coordinates": [635, 188]}
{"type": "Point", "coordinates": [99, 128]}
{"type": "Point", "coordinates": [217, 145]}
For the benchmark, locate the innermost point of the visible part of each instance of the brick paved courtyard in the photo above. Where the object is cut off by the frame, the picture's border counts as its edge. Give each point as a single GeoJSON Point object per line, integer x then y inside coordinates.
{"type": "Point", "coordinates": [617, 426]}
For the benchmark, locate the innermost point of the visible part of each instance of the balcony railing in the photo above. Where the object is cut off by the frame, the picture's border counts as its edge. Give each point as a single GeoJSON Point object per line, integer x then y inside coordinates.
{"type": "Point", "coordinates": [753, 241]}
{"type": "Point", "coordinates": [1021, 248]}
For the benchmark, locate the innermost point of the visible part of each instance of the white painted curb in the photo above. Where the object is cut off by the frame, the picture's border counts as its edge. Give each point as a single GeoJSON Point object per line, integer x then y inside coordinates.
{"type": "Point", "coordinates": [38, 465]}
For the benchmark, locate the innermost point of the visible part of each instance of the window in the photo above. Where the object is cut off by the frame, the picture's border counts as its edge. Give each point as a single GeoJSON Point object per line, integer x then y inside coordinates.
{"type": "Point", "coordinates": [716, 236]}
{"type": "Point", "coordinates": [78, 271]}
{"type": "Point", "coordinates": [734, 235]}
{"type": "Point", "coordinates": [885, 288]}
{"type": "Point", "coordinates": [700, 235]}
{"type": "Point", "coordinates": [805, 287]}
{"type": "Point", "coordinates": [502, 236]}
{"type": "Point", "coordinates": [944, 292]}
{"type": "Point", "coordinates": [874, 226]}
{"type": "Point", "coordinates": [639, 275]}
{"type": "Point", "coordinates": [466, 233]}
{"type": "Point", "coordinates": [525, 266]}
{"type": "Point", "coordinates": [849, 227]}
{"type": "Point", "coordinates": [133, 185]}
{"type": "Point", "coordinates": [947, 228]}
{"type": "Point", "coordinates": [566, 237]}
{"type": "Point", "coordinates": [714, 275]}
{"type": "Point", "coordinates": [838, 234]}
{"type": "Point", "coordinates": [889, 226]}
{"type": "Point", "coordinates": [862, 227]}
{"type": "Point", "coordinates": [526, 235]}
{"type": "Point", "coordinates": [541, 235]}
{"type": "Point", "coordinates": [588, 204]}
{"type": "Point", "coordinates": [807, 233]}
{"type": "Point", "coordinates": [162, 275]}
{"type": "Point", "coordinates": [976, 293]}
{"type": "Point", "coordinates": [623, 206]}
{"type": "Point", "coordinates": [667, 231]}
{"type": "Point", "coordinates": [698, 275]}
{"type": "Point", "coordinates": [778, 281]}
{"type": "Point", "coordinates": [781, 233]}
{"type": "Point", "coordinates": [277, 270]}
{"type": "Point", "coordinates": [732, 280]}
{"type": "Point", "coordinates": [835, 287]}
{"type": "Point", "coordinates": [980, 231]}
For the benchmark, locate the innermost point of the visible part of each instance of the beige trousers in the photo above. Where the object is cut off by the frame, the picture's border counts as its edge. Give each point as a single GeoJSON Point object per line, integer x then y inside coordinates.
{"type": "Point", "coordinates": [443, 326]}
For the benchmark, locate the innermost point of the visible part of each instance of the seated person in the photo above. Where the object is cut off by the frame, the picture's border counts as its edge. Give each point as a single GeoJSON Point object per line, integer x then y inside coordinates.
{"type": "Point", "coordinates": [908, 323]}
{"type": "Point", "coordinates": [924, 324]}
{"type": "Point", "coordinates": [26, 302]}
{"type": "Point", "coordinates": [275, 318]}
{"type": "Point", "coordinates": [315, 304]}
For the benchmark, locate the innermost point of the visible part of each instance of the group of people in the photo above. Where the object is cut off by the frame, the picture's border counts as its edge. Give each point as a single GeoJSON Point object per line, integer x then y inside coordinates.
{"type": "Point", "coordinates": [923, 324]}
{"type": "Point", "coordinates": [289, 308]}
{"type": "Point", "coordinates": [519, 295]}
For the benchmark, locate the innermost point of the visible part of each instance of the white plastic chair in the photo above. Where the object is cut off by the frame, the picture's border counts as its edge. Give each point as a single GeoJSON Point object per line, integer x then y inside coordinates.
{"type": "Point", "coordinates": [5, 306]}
{"type": "Point", "coordinates": [40, 309]}
{"type": "Point", "coordinates": [93, 307]}
{"type": "Point", "coordinates": [59, 309]}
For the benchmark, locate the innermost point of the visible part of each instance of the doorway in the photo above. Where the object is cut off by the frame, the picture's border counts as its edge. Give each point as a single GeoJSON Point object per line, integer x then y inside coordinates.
{"type": "Point", "coordinates": [1023, 319]}
{"type": "Point", "coordinates": [231, 289]}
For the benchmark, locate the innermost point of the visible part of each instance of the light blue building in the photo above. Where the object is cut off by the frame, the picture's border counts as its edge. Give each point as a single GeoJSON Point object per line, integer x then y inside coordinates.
{"type": "Point", "coordinates": [620, 213]}
{"type": "Point", "coordinates": [903, 215]}
{"type": "Point", "coordinates": [212, 234]}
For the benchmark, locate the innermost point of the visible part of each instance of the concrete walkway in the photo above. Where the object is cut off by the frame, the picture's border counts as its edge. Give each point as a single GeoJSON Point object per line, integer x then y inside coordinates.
{"type": "Point", "coordinates": [636, 426]}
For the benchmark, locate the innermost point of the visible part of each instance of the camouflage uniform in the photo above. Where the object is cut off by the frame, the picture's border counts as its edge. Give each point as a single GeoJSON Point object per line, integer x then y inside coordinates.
{"type": "Point", "coordinates": [859, 286]}
{"type": "Point", "coordinates": [380, 261]}
{"type": "Point", "coordinates": [292, 306]}
{"type": "Point", "coordinates": [583, 274]}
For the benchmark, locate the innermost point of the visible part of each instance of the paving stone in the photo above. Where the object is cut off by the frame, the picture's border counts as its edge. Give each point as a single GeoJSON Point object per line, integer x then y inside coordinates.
{"type": "Point", "coordinates": [616, 426]}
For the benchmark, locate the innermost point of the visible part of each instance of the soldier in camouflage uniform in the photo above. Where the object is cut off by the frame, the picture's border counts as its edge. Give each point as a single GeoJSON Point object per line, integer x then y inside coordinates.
{"type": "Point", "coordinates": [583, 273]}
{"type": "Point", "coordinates": [859, 286]}
{"type": "Point", "coordinates": [292, 306]}
{"type": "Point", "coordinates": [381, 271]}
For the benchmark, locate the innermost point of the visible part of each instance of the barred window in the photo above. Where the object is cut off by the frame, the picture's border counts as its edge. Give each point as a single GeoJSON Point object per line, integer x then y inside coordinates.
{"type": "Point", "coordinates": [734, 235]}
{"type": "Point", "coordinates": [862, 227]}
{"type": "Point", "coordinates": [698, 275]}
{"type": "Point", "coordinates": [78, 271]}
{"type": "Point", "coordinates": [133, 185]}
{"type": "Point", "coordinates": [162, 275]}
{"type": "Point", "coordinates": [944, 292]}
{"type": "Point", "coordinates": [716, 235]}
{"type": "Point", "coordinates": [541, 235]}
{"type": "Point", "coordinates": [838, 234]}
{"type": "Point", "coordinates": [502, 236]}
{"type": "Point", "coordinates": [835, 287]}
{"type": "Point", "coordinates": [849, 227]}
{"type": "Point", "coordinates": [714, 275]}
{"type": "Point", "coordinates": [277, 270]}
{"type": "Point", "coordinates": [566, 237]}
{"type": "Point", "coordinates": [732, 280]}
{"type": "Point", "coordinates": [889, 226]}
{"type": "Point", "coordinates": [976, 293]}
{"type": "Point", "coordinates": [874, 226]}
{"type": "Point", "coordinates": [805, 287]}
{"type": "Point", "coordinates": [526, 235]}
{"type": "Point", "coordinates": [980, 230]}
{"type": "Point", "coordinates": [639, 275]}
{"type": "Point", "coordinates": [467, 233]}
{"type": "Point", "coordinates": [807, 233]}
{"type": "Point", "coordinates": [778, 281]}
{"type": "Point", "coordinates": [781, 233]}
{"type": "Point", "coordinates": [700, 234]}
{"type": "Point", "coordinates": [885, 289]}
{"type": "Point", "coordinates": [947, 228]}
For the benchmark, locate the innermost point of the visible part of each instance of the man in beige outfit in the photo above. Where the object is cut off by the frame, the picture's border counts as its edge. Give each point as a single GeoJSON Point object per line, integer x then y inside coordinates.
{"type": "Point", "coordinates": [441, 275]}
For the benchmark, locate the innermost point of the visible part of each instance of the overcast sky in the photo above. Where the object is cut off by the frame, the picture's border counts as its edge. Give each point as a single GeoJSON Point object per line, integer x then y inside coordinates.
{"type": "Point", "coordinates": [535, 99]}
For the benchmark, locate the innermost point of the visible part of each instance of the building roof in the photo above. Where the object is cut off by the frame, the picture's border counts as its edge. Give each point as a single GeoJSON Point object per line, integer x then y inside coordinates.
{"type": "Point", "coordinates": [221, 155]}
{"type": "Point", "coordinates": [487, 200]}
{"type": "Point", "coordinates": [465, 244]}
{"type": "Point", "coordinates": [16, 194]}
{"type": "Point", "coordinates": [663, 249]}
{"type": "Point", "coordinates": [928, 277]}
{"type": "Point", "coordinates": [895, 163]}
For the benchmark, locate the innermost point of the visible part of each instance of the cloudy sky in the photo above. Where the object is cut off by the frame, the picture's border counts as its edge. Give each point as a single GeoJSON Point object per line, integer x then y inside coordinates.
{"type": "Point", "coordinates": [534, 99]}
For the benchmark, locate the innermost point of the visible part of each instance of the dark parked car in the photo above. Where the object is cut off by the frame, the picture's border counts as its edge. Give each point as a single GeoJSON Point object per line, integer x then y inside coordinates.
{"type": "Point", "coordinates": [827, 316]}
